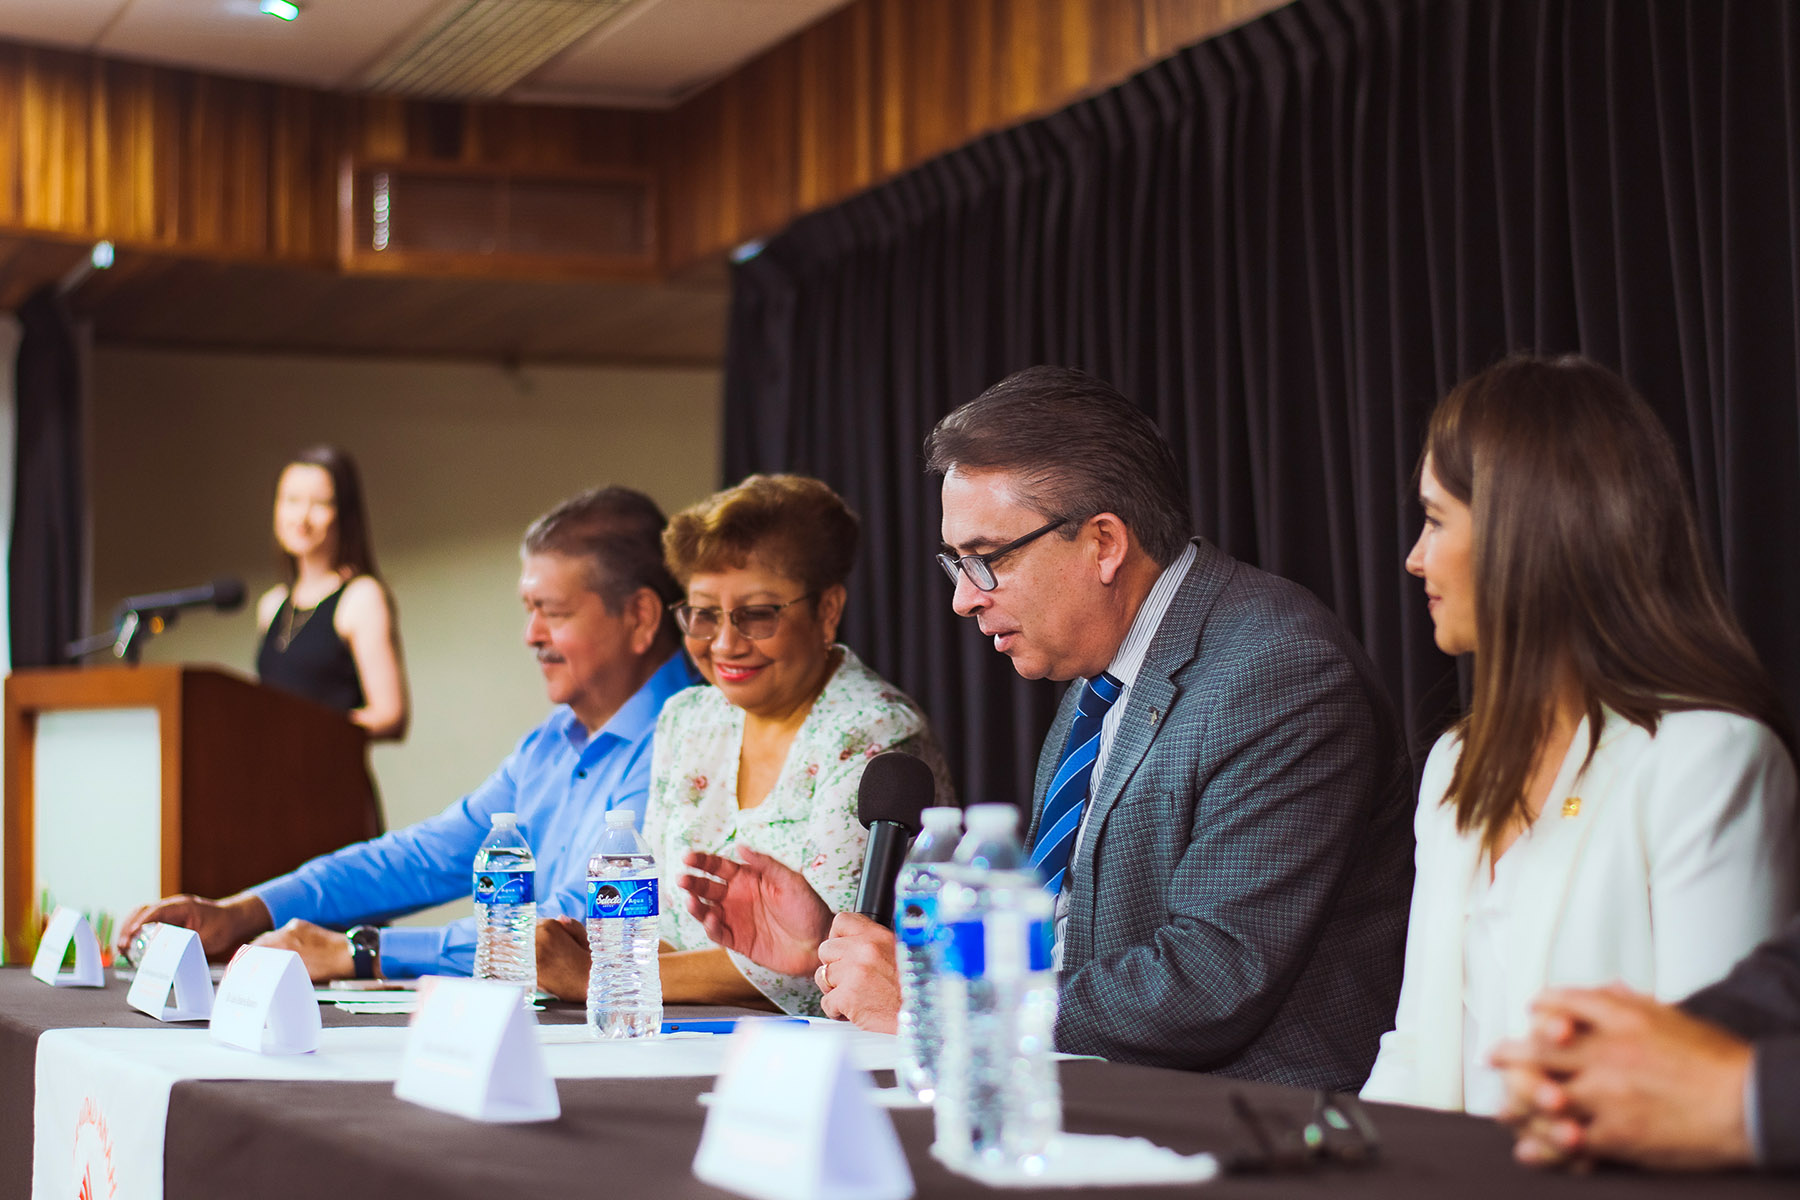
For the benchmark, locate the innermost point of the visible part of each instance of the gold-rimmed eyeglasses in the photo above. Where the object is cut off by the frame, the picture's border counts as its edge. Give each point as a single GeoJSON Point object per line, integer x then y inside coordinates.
{"type": "Point", "coordinates": [754, 621]}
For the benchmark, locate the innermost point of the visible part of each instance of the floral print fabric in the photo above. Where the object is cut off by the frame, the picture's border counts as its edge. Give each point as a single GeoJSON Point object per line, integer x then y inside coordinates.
{"type": "Point", "coordinates": [808, 821]}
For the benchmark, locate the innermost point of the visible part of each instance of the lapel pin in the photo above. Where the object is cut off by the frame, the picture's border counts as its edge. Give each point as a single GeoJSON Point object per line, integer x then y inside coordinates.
{"type": "Point", "coordinates": [1572, 806]}
{"type": "Point", "coordinates": [1153, 716]}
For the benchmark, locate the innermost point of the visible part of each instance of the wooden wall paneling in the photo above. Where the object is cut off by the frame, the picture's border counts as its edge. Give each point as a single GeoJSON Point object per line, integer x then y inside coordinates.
{"type": "Point", "coordinates": [1117, 43]}
{"type": "Point", "coordinates": [983, 66]}
{"type": "Point", "coordinates": [200, 219]}
{"type": "Point", "coordinates": [689, 166]}
{"type": "Point", "coordinates": [610, 137]}
{"type": "Point", "coordinates": [767, 101]}
{"type": "Point", "coordinates": [1170, 25]}
{"type": "Point", "coordinates": [168, 119]}
{"type": "Point", "coordinates": [933, 89]}
{"type": "Point", "coordinates": [883, 85]}
{"type": "Point", "coordinates": [835, 107]}
{"type": "Point", "coordinates": [53, 164]}
{"type": "Point", "coordinates": [12, 127]}
{"type": "Point", "coordinates": [125, 155]}
{"type": "Point", "coordinates": [303, 158]}
{"type": "Point", "coordinates": [248, 137]}
{"type": "Point", "coordinates": [379, 128]}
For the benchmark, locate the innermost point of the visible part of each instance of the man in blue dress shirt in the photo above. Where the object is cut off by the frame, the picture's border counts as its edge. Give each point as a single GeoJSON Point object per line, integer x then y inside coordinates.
{"type": "Point", "coordinates": [596, 597]}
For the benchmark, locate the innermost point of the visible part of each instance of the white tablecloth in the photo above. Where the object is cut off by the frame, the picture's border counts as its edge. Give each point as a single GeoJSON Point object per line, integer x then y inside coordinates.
{"type": "Point", "coordinates": [102, 1101]}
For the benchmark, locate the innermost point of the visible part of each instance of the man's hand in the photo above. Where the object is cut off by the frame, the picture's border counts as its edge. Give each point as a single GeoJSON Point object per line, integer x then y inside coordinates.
{"type": "Point", "coordinates": [759, 907]}
{"type": "Point", "coordinates": [223, 925]}
{"type": "Point", "coordinates": [859, 975]}
{"type": "Point", "coordinates": [1612, 1074]}
{"type": "Point", "coordinates": [325, 952]}
{"type": "Point", "coordinates": [563, 959]}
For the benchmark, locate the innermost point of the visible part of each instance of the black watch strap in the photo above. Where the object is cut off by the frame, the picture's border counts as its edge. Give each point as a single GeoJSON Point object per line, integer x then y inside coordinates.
{"type": "Point", "coordinates": [365, 950]}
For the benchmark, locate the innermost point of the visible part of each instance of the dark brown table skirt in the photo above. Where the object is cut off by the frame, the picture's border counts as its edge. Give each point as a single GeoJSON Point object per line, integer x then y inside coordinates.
{"type": "Point", "coordinates": [636, 1138]}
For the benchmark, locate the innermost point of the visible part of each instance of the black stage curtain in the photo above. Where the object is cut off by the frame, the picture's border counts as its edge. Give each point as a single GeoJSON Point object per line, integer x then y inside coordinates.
{"type": "Point", "coordinates": [49, 531]}
{"type": "Point", "coordinates": [1285, 243]}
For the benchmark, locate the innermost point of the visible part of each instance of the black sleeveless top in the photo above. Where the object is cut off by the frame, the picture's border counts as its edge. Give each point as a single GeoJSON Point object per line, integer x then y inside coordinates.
{"type": "Point", "coordinates": [303, 654]}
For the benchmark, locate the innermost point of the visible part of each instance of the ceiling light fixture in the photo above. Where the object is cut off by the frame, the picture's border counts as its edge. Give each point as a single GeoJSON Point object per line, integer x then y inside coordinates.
{"type": "Point", "coordinates": [287, 10]}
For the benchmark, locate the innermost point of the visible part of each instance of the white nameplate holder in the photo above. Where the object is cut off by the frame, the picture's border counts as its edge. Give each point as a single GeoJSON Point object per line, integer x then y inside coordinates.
{"type": "Point", "coordinates": [266, 1003]}
{"type": "Point", "coordinates": [173, 962]}
{"type": "Point", "coordinates": [67, 925]}
{"type": "Point", "coordinates": [792, 1119]}
{"type": "Point", "coordinates": [473, 1052]}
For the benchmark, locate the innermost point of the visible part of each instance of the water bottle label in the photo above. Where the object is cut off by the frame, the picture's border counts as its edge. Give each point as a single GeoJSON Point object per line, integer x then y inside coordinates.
{"type": "Point", "coordinates": [918, 920]}
{"type": "Point", "coordinates": [965, 949]}
{"type": "Point", "coordinates": [504, 887]}
{"type": "Point", "coordinates": [622, 898]}
{"type": "Point", "coordinates": [1041, 939]}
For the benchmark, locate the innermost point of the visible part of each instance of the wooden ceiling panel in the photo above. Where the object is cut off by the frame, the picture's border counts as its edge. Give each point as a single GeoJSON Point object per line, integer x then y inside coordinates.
{"type": "Point", "coordinates": [157, 300]}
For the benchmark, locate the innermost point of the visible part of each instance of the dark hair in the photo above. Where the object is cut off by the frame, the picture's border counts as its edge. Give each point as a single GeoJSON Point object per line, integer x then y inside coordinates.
{"type": "Point", "coordinates": [353, 546]}
{"type": "Point", "coordinates": [617, 531]}
{"type": "Point", "coordinates": [1077, 447]}
{"type": "Point", "coordinates": [795, 524]}
{"type": "Point", "coordinates": [1586, 559]}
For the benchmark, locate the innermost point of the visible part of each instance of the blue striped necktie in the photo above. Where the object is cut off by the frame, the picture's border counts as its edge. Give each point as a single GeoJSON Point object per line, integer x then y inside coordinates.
{"type": "Point", "coordinates": [1067, 797]}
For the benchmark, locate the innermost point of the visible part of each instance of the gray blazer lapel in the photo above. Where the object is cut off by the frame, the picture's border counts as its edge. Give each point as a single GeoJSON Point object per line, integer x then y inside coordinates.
{"type": "Point", "coordinates": [1154, 692]}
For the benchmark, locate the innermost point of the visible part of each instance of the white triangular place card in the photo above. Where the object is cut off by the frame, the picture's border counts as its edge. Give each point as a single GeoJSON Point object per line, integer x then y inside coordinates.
{"type": "Point", "coordinates": [266, 1003]}
{"type": "Point", "coordinates": [792, 1119]}
{"type": "Point", "coordinates": [473, 1052]}
{"type": "Point", "coordinates": [67, 925]}
{"type": "Point", "coordinates": [174, 962]}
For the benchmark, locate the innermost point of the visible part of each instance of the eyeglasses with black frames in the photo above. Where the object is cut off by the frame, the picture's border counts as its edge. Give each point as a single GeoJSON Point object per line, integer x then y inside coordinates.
{"type": "Point", "coordinates": [980, 567]}
{"type": "Point", "coordinates": [754, 621]}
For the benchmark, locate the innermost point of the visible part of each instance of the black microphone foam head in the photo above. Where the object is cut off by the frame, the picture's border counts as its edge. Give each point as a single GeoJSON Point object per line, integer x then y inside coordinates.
{"type": "Point", "coordinates": [228, 594]}
{"type": "Point", "coordinates": [895, 787]}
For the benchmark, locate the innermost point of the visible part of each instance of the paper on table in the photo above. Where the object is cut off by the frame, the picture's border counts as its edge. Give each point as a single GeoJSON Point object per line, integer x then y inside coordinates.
{"type": "Point", "coordinates": [473, 1051]}
{"type": "Point", "coordinates": [68, 925]}
{"type": "Point", "coordinates": [791, 1119]}
{"type": "Point", "coordinates": [1096, 1160]}
{"type": "Point", "coordinates": [265, 1004]}
{"type": "Point", "coordinates": [173, 962]}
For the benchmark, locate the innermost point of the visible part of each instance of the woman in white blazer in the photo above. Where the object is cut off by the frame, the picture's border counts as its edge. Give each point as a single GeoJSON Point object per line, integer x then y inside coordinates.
{"type": "Point", "coordinates": [1618, 804]}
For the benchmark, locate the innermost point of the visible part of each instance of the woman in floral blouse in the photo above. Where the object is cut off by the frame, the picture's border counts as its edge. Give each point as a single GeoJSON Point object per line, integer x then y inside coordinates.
{"type": "Point", "coordinates": [770, 755]}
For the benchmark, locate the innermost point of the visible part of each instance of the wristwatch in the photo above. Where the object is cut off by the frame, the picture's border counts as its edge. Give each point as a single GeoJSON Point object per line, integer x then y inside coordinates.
{"type": "Point", "coordinates": [365, 950]}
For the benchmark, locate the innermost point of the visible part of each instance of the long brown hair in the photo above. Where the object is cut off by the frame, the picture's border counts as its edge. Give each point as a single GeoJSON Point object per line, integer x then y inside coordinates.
{"type": "Point", "coordinates": [1587, 560]}
{"type": "Point", "coordinates": [353, 548]}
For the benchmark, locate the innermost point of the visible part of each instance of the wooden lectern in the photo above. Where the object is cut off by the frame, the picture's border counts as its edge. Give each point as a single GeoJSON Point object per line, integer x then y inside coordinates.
{"type": "Point", "coordinates": [253, 781]}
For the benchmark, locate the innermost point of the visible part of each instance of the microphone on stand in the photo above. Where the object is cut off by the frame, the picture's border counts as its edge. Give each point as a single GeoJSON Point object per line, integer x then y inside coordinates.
{"type": "Point", "coordinates": [152, 612]}
{"type": "Point", "coordinates": [895, 789]}
{"type": "Point", "coordinates": [226, 595]}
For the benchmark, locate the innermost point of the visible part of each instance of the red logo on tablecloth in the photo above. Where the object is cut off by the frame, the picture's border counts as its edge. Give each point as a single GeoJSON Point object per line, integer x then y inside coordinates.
{"type": "Point", "coordinates": [94, 1154]}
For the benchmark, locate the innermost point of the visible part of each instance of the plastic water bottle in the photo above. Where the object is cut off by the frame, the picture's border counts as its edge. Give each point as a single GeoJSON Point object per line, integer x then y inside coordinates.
{"type": "Point", "coordinates": [998, 1102]}
{"type": "Point", "coordinates": [624, 997]}
{"type": "Point", "coordinates": [506, 905]}
{"type": "Point", "coordinates": [916, 894]}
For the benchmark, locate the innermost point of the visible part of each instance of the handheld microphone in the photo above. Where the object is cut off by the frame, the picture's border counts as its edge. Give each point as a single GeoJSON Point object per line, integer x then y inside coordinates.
{"type": "Point", "coordinates": [895, 789]}
{"type": "Point", "coordinates": [226, 595]}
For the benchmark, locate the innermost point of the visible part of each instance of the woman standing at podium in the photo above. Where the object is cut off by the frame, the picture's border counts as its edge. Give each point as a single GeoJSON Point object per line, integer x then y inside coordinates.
{"type": "Point", "coordinates": [330, 632]}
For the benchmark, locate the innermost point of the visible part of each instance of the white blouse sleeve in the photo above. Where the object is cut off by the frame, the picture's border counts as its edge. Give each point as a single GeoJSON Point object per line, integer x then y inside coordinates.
{"type": "Point", "coordinates": [1721, 845]}
{"type": "Point", "coordinates": [1395, 1075]}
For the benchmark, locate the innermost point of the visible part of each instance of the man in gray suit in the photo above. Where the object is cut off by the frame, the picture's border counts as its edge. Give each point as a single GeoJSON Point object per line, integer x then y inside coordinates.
{"type": "Point", "coordinates": [1711, 1082]}
{"type": "Point", "coordinates": [1223, 805]}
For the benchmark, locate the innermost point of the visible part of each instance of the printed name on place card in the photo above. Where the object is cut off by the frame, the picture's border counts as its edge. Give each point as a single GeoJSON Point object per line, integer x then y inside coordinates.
{"type": "Point", "coordinates": [174, 961]}
{"type": "Point", "coordinates": [792, 1119]}
{"type": "Point", "coordinates": [473, 1052]}
{"type": "Point", "coordinates": [266, 1003]}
